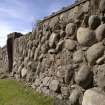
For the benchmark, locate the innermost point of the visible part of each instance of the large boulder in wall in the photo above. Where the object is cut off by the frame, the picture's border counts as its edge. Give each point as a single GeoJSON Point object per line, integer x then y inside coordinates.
{"type": "Point", "coordinates": [94, 52]}
{"type": "Point", "coordinates": [85, 36]}
{"type": "Point", "coordinates": [94, 21]}
{"type": "Point", "coordinates": [84, 76]}
{"type": "Point", "coordinates": [94, 96]}
{"type": "Point", "coordinates": [100, 32]}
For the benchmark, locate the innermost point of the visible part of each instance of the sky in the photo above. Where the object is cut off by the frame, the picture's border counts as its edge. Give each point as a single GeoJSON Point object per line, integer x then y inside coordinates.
{"type": "Point", "coordinates": [20, 15]}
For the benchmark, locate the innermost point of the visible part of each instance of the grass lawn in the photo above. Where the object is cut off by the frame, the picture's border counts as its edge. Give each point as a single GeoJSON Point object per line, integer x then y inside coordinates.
{"type": "Point", "coordinates": [14, 93]}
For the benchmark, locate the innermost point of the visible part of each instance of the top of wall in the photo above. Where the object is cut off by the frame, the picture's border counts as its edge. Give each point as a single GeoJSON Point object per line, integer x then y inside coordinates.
{"type": "Point", "coordinates": [63, 10]}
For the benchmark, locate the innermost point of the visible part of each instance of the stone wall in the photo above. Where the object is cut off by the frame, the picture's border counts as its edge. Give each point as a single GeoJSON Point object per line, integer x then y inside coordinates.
{"type": "Point", "coordinates": [3, 59]}
{"type": "Point", "coordinates": [64, 56]}
{"type": "Point", "coordinates": [25, 48]}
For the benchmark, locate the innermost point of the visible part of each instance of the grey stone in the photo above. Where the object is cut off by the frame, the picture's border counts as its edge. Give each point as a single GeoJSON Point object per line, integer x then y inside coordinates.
{"type": "Point", "coordinates": [14, 63]}
{"type": "Point", "coordinates": [24, 53]}
{"type": "Point", "coordinates": [53, 22]}
{"type": "Point", "coordinates": [45, 90]}
{"type": "Point", "coordinates": [94, 96]}
{"type": "Point", "coordinates": [84, 76]}
{"type": "Point", "coordinates": [46, 81]}
{"type": "Point", "coordinates": [30, 76]}
{"type": "Point", "coordinates": [37, 82]}
{"type": "Point", "coordinates": [59, 46]}
{"type": "Point", "coordinates": [65, 92]}
{"type": "Point", "coordinates": [26, 61]}
{"type": "Point", "coordinates": [54, 85]}
{"type": "Point", "coordinates": [99, 75]}
{"type": "Point", "coordinates": [101, 60]}
{"type": "Point", "coordinates": [45, 47]}
{"type": "Point", "coordinates": [29, 52]}
{"type": "Point", "coordinates": [52, 40]}
{"type": "Point", "coordinates": [20, 68]}
{"type": "Point", "coordinates": [102, 6]}
{"type": "Point", "coordinates": [94, 52]}
{"type": "Point", "coordinates": [41, 57]}
{"type": "Point", "coordinates": [69, 44]}
{"type": "Point", "coordinates": [64, 17]}
{"type": "Point", "coordinates": [38, 89]}
{"type": "Point", "coordinates": [24, 72]}
{"type": "Point", "coordinates": [29, 44]}
{"type": "Point", "coordinates": [68, 73]}
{"type": "Point", "coordinates": [38, 69]}
{"type": "Point", "coordinates": [33, 86]}
{"type": "Point", "coordinates": [94, 21]}
{"type": "Point", "coordinates": [20, 49]}
{"type": "Point", "coordinates": [43, 39]}
{"type": "Point", "coordinates": [61, 71]}
{"type": "Point", "coordinates": [85, 36]}
{"type": "Point", "coordinates": [78, 56]}
{"type": "Point", "coordinates": [37, 52]}
{"type": "Point", "coordinates": [100, 32]}
{"type": "Point", "coordinates": [70, 29]}
{"type": "Point", "coordinates": [29, 65]}
{"type": "Point", "coordinates": [75, 97]}
{"type": "Point", "coordinates": [59, 96]}
{"type": "Point", "coordinates": [17, 77]}
{"type": "Point", "coordinates": [101, 81]}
